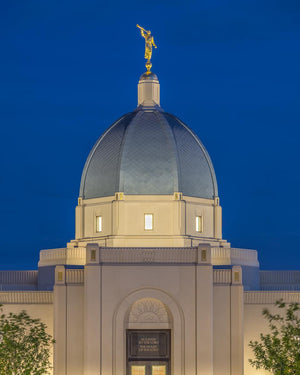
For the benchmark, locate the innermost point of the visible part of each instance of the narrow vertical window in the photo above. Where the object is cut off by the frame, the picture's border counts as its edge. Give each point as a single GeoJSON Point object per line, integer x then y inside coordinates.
{"type": "Point", "coordinates": [148, 221]}
{"type": "Point", "coordinates": [199, 224]}
{"type": "Point", "coordinates": [99, 224]}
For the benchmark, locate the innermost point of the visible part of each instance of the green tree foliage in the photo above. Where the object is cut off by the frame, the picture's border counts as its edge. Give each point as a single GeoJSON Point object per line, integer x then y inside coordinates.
{"type": "Point", "coordinates": [24, 345]}
{"type": "Point", "coordinates": [279, 350]}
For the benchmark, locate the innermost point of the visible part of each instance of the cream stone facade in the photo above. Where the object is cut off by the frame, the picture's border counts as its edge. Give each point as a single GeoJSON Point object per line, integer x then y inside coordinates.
{"type": "Point", "coordinates": [173, 220]}
{"type": "Point", "coordinates": [149, 286]}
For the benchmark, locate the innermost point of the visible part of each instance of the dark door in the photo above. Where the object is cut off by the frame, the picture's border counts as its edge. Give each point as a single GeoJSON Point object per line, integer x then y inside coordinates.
{"type": "Point", "coordinates": [148, 352]}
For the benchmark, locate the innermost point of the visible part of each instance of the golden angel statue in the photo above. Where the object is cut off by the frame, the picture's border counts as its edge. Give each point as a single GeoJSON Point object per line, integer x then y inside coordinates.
{"type": "Point", "coordinates": [149, 42]}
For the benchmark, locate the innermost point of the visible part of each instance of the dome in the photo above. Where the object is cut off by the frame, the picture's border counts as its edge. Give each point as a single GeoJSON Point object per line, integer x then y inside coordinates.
{"type": "Point", "coordinates": [148, 152]}
{"type": "Point", "coordinates": [148, 76]}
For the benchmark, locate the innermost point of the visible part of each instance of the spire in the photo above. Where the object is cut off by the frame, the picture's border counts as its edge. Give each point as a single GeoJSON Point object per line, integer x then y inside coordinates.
{"type": "Point", "coordinates": [148, 90]}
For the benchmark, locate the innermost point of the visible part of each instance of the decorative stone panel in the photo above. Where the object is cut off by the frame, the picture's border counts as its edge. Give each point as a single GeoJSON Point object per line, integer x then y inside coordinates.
{"type": "Point", "coordinates": [26, 297]}
{"type": "Point", "coordinates": [148, 310]}
{"type": "Point", "coordinates": [270, 297]}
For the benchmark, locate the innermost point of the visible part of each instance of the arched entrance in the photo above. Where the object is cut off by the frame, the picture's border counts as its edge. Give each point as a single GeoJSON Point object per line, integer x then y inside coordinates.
{"type": "Point", "coordinates": [148, 351]}
{"type": "Point", "coordinates": [148, 311]}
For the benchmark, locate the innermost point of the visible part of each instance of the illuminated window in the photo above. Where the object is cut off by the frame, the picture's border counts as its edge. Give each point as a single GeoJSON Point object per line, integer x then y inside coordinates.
{"type": "Point", "coordinates": [99, 224]}
{"type": "Point", "coordinates": [199, 224]}
{"type": "Point", "coordinates": [138, 370]}
{"type": "Point", "coordinates": [148, 221]}
{"type": "Point", "coordinates": [159, 370]}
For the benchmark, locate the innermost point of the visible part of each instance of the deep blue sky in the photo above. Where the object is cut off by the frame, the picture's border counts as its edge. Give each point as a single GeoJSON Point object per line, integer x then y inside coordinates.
{"type": "Point", "coordinates": [228, 69]}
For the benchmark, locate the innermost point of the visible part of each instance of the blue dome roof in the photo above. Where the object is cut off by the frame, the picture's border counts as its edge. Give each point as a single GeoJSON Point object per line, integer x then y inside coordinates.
{"type": "Point", "coordinates": [148, 151]}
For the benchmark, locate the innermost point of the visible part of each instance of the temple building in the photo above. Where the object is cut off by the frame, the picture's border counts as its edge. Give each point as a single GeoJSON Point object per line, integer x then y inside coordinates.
{"type": "Point", "coordinates": [149, 286]}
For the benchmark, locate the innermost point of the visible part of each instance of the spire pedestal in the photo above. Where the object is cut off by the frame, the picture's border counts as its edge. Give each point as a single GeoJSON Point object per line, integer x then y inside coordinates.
{"type": "Point", "coordinates": [148, 90]}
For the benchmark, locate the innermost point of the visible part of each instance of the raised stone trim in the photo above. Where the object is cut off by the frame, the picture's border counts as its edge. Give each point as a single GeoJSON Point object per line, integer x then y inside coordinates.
{"type": "Point", "coordinates": [72, 256]}
{"type": "Point", "coordinates": [75, 276]}
{"type": "Point", "coordinates": [270, 297]}
{"type": "Point", "coordinates": [219, 255]}
{"type": "Point", "coordinates": [18, 280]}
{"type": "Point", "coordinates": [18, 277]}
{"type": "Point", "coordinates": [234, 256]}
{"type": "Point", "coordinates": [148, 255]}
{"type": "Point", "coordinates": [222, 256]}
{"type": "Point", "coordinates": [222, 276]}
{"type": "Point", "coordinates": [280, 280]}
{"type": "Point", "coordinates": [26, 297]}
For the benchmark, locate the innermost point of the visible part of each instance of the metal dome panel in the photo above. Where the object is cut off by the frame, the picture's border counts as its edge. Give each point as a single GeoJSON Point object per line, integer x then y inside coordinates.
{"type": "Point", "coordinates": [197, 176]}
{"type": "Point", "coordinates": [148, 164]}
{"type": "Point", "coordinates": [148, 152]}
{"type": "Point", "coordinates": [101, 171]}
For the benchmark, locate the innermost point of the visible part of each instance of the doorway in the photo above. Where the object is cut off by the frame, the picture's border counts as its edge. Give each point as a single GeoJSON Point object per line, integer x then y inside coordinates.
{"type": "Point", "coordinates": [148, 368]}
{"type": "Point", "coordinates": [148, 352]}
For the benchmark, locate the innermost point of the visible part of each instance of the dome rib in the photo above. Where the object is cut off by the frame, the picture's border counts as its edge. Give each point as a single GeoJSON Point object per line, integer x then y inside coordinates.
{"type": "Point", "coordinates": [208, 163]}
{"type": "Point", "coordinates": [146, 167]}
{"type": "Point", "coordinates": [92, 175]}
{"type": "Point", "coordinates": [118, 187]}
{"type": "Point", "coordinates": [161, 118]}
